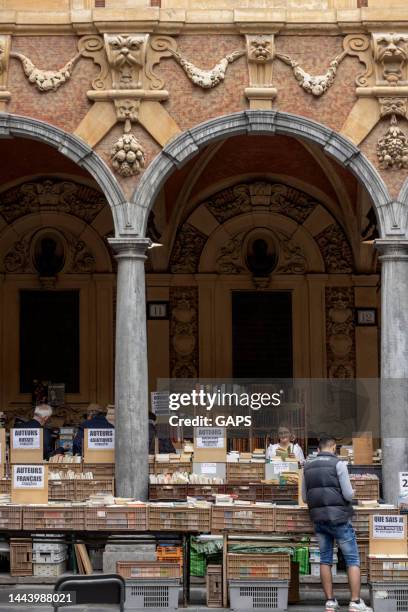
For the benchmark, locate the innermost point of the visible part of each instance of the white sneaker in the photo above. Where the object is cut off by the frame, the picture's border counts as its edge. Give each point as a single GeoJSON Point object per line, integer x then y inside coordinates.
{"type": "Point", "coordinates": [359, 607]}
{"type": "Point", "coordinates": [332, 605]}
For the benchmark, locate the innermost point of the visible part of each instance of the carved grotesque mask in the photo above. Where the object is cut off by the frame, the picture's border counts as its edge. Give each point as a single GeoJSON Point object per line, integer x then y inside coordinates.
{"type": "Point", "coordinates": [261, 50]}
{"type": "Point", "coordinates": [125, 50]}
{"type": "Point", "coordinates": [391, 53]}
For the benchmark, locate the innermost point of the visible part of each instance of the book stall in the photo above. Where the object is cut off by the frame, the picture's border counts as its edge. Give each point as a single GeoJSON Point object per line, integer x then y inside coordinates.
{"type": "Point", "coordinates": [229, 517]}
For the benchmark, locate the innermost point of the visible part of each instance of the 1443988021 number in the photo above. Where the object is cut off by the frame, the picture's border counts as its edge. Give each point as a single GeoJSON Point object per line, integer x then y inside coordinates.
{"type": "Point", "coordinates": [41, 598]}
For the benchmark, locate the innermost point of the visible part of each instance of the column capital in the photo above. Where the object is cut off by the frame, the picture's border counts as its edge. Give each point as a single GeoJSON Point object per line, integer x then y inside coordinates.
{"type": "Point", "coordinates": [130, 247]}
{"type": "Point", "coordinates": [392, 250]}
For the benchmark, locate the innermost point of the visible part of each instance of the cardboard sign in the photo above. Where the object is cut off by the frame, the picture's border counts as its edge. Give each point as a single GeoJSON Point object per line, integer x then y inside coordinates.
{"type": "Point", "coordinates": [208, 468]}
{"type": "Point", "coordinates": [26, 445]}
{"type": "Point", "coordinates": [27, 439]}
{"type": "Point", "coordinates": [388, 534]}
{"type": "Point", "coordinates": [210, 444]}
{"type": "Point", "coordinates": [28, 476]}
{"type": "Point", "coordinates": [160, 403]}
{"type": "Point", "coordinates": [29, 484]}
{"type": "Point", "coordinates": [101, 439]}
{"type": "Point", "coordinates": [403, 480]}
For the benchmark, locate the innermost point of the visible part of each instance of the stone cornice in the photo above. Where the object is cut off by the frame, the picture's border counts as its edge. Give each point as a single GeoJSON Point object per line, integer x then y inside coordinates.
{"type": "Point", "coordinates": [175, 21]}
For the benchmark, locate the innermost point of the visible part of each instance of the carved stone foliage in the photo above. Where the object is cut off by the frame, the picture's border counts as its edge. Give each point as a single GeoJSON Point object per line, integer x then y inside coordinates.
{"type": "Point", "coordinates": [274, 197]}
{"type": "Point", "coordinates": [51, 194]}
{"type": "Point", "coordinates": [392, 148]}
{"type": "Point", "coordinates": [184, 357]}
{"type": "Point", "coordinates": [340, 332]}
{"type": "Point", "coordinates": [23, 256]}
{"type": "Point", "coordinates": [46, 80]}
{"type": "Point", "coordinates": [315, 85]}
{"type": "Point", "coordinates": [207, 79]}
{"type": "Point", "coordinates": [187, 250]}
{"type": "Point", "coordinates": [335, 250]}
{"type": "Point", "coordinates": [128, 155]}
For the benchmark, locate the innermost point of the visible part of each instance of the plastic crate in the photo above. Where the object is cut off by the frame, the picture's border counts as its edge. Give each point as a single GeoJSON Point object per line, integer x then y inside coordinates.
{"type": "Point", "coordinates": [52, 518]}
{"type": "Point", "coordinates": [154, 594]}
{"type": "Point", "coordinates": [49, 569]}
{"type": "Point", "coordinates": [245, 472]}
{"type": "Point", "coordinates": [49, 556]}
{"type": "Point", "coordinates": [170, 553]}
{"type": "Point", "coordinates": [63, 489]}
{"type": "Point", "coordinates": [361, 519]}
{"type": "Point", "coordinates": [261, 596]}
{"type": "Point", "coordinates": [389, 597]}
{"type": "Point", "coordinates": [258, 567]}
{"type": "Point", "coordinates": [11, 517]}
{"type": "Point", "coordinates": [21, 557]}
{"type": "Point", "coordinates": [171, 468]}
{"type": "Point", "coordinates": [100, 470]}
{"type": "Point", "coordinates": [243, 518]}
{"type": "Point", "coordinates": [84, 488]}
{"type": "Point", "coordinates": [175, 492]}
{"type": "Point", "coordinates": [143, 570]}
{"type": "Point", "coordinates": [365, 489]}
{"type": "Point", "coordinates": [5, 486]}
{"type": "Point", "coordinates": [116, 518]}
{"type": "Point", "coordinates": [180, 518]}
{"type": "Point", "coordinates": [207, 492]}
{"type": "Point", "coordinates": [280, 493]}
{"type": "Point", "coordinates": [248, 492]}
{"type": "Point", "coordinates": [293, 520]}
{"type": "Point", "coordinates": [388, 569]}
{"type": "Point", "coordinates": [214, 586]}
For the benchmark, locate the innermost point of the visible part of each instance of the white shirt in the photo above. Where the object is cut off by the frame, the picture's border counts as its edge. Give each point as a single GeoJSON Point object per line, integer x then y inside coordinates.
{"type": "Point", "coordinates": [294, 448]}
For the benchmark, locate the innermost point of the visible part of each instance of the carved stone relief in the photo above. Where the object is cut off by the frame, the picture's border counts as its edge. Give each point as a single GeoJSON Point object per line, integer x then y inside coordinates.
{"type": "Point", "coordinates": [340, 332]}
{"type": "Point", "coordinates": [187, 250]}
{"type": "Point", "coordinates": [390, 50]}
{"type": "Point", "coordinates": [46, 80]}
{"type": "Point", "coordinates": [4, 63]}
{"type": "Point", "coordinates": [51, 194]}
{"type": "Point", "coordinates": [184, 356]}
{"type": "Point", "coordinates": [335, 250]}
{"type": "Point", "coordinates": [314, 85]}
{"type": "Point", "coordinates": [392, 148]}
{"type": "Point", "coordinates": [207, 79]}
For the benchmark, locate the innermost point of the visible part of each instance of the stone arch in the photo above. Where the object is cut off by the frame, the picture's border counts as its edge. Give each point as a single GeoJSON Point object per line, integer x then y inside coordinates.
{"type": "Point", "coordinates": [185, 146]}
{"type": "Point", "coordinates": [16, 126]}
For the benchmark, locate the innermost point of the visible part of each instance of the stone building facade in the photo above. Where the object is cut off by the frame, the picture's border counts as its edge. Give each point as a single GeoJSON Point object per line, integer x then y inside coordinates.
{"type": "Point", "coordinates": [205, 126]}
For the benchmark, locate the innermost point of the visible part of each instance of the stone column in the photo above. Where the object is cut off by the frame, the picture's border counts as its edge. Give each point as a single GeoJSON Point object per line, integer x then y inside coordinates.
{"type": "Point", "coordinates": [394, 362]}
{"type": "Point", "coordinates": [131, 382]}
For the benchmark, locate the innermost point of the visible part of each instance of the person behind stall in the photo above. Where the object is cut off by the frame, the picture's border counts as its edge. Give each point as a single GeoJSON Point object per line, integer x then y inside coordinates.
{"type": "Point", "coordinates": [165, 444]}
{"type": "Point", "coordinates": [42, 414]}
{"type": "Point", "coordinates": [95, 419]}
{"type": "Point", "coordinates": [327, 490]}
{"type": "Point", "coordinates": [285, 446]}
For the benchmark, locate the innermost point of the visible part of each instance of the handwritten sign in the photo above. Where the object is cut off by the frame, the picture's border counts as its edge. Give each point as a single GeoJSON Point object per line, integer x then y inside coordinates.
{"type": "Point", "coordinates": [388, 527]}
{"type": "Point", "coordinates": [27, 439]}
{"type": "Point", "coordinates": [101, 439]}
{"type": "Point", "coordinates": [210, 437]}
{"type": "Point", "coordinates": [28, 476]}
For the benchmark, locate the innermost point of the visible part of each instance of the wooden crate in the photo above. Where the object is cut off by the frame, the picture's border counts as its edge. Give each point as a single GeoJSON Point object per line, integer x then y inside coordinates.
{"type": "Point", "coordinates": [361, 519]}
{"type": "Point", "coordinates": [5, 486]}
{"type": "Point", "coordinates": [258, 566]}
{"type": "Point", "coordinates": [293, 520]}
{"type": "Point", "coordinates": [214, 586]}
{"type": "Point", "coordinates": [161, 492]}
{"type": "Point", "coordinates": [11, 517]}
{"type": "Point", "coordinates": [142, 570]}
{"type": "Point", "coordinates": [245, 472]}
{"type": "Point", "coordinates": [363, 552]}
{"type": "Point", "coordinates": [84, 488]}
{"type": "Point", "coordinates": [100, 470]}
{"type": "Point", "coordinates": [170, 554]}
{"type": "Point", "coordinates": [243, 518]}
{"type": "Point", "coordinates": [21, 557]}
{"type": "Point", "coordinates": [280, 493]}
{"type": "Point", "coordinates": [249, 492]}
{"type": "Point", "coordinates": [63, 489]}
{"type": "Point", "coordinates": [171, 468]}
{"type": "Point", "coordinates": [365, 489]}
{"type": "Point", "coordinates": [53, 518]}
{"type": "Point", "coordinates": [388, 569]}
{"type": "Point", "coordinates": [116, 518]}
{"type": "Point", "coordinates": [63, 466]}
{"type": "Point", "coordinates": [179, 518]}
{"type": "Point", "coordinates": [207, 492]}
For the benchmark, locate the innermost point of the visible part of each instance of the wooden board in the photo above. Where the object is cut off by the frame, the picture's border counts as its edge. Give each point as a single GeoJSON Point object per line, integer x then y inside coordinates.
{"type": "Point", "coordinates": [386, 546]}
{"type": "Point", "coordinates": [363, 448]}
{"type": "Point", "coordinates": [97, 456]}
{"type": "Point", "coordinates": [29, 495]}
{"type": "Point", "coordinates": [19, 455]}
{"type": "Point", "coordinates": [84, 562]}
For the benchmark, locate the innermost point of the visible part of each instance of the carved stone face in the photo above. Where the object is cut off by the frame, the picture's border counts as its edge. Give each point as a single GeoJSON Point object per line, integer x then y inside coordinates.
{"type": "Point", "coordinates": [125, 50]}
{"type": "Point", "coordinates": [392, 47]}
{"type": "Point", "coordinates": [261, 50]}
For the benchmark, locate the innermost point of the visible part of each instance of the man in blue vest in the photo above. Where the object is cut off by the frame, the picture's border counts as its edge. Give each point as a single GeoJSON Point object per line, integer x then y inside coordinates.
{"type": "Point", "coordinates": [327, 490]}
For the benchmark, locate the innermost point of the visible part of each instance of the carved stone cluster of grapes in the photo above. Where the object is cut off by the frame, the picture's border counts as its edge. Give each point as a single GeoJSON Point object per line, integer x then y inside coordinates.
{"type": "Point", "coordinates": [127, 155]}
{"type": "Point", "coordinates": [392, 148]}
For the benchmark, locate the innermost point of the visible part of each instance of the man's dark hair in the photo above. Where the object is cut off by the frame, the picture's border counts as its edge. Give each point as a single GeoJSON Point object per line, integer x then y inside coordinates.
{"type": "Point", "coordinates": [326, 440]}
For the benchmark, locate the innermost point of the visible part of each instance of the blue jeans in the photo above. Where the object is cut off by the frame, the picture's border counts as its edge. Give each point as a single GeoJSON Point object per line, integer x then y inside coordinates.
{"type": "Point", "coordinates": [345, 537]}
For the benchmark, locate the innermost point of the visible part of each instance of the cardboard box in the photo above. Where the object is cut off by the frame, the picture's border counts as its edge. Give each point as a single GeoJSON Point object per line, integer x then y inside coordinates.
{"type": "Point", "coordinates": [29, 484]}
{"type": "Point", "coordinates": [26, 445]}
{"type": "Point", "coordinates": [99, 446]}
